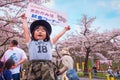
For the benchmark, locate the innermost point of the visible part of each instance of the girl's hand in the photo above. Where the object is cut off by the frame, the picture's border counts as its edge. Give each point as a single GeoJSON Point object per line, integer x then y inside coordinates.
{"type": "Point", "coordinates": [67, 28]}
{"type": "Point", "coordinates": [24, 19]}
{"type": "Point", "coordinates": [23, 16]}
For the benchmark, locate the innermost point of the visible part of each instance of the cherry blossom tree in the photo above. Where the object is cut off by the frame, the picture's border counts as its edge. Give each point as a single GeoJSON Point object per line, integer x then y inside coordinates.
{"type": "Point", "coordinates": [10, 23]}
{"type": "Point", "coordinates": [88, 41]}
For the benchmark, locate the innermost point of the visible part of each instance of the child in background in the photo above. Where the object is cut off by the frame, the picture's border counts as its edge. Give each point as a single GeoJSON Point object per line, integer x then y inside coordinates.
{"type": "Point", "coordinates": [5, 73]}
{"type": "Point", "coordinates": [8, 65]}
{"type": "Point", "coordinates": [40, 49]}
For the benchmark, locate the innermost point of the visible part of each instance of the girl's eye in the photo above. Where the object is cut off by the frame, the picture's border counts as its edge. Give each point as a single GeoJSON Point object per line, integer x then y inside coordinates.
{"type": "Point", "coordinates": [40, 30]}
{"type": "Point", "coordinates": [43, 30]}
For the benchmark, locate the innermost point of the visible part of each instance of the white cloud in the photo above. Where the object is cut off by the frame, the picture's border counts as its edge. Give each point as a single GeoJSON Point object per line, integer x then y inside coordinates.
{"type": "Point", "coordinates": [50, 4]}
{"type": "Point", "coordinates": [110, 5]}
{"type": "Point", "coordinates": [102, 4]}
{"type": "Point", "coordinates": [116, 5]}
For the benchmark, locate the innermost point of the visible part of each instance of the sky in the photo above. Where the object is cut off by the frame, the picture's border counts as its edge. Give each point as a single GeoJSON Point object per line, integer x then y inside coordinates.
{"type": "Point", "coordinates": [107, 12]}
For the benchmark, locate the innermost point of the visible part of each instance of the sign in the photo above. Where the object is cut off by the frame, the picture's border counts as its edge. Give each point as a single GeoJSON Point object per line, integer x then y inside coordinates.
{"type": "Point", "coordinates": [108, 62]}
{"type": "Point", "coordinates": [98, 64]}
{"type": "Point", "coordinates": [42, 13]}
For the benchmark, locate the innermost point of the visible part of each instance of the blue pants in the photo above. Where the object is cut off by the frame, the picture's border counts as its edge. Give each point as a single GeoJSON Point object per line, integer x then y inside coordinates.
{"type": "Point", "coordinates": [16, 76]}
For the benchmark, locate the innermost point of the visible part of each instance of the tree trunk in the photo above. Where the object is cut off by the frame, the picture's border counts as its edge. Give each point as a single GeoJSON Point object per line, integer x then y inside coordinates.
{"type": "Point", "coordinates": [86, 62]}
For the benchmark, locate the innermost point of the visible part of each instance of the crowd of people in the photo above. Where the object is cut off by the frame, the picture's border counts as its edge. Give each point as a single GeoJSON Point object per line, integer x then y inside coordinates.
{"type": "Point", "coordinates": [11, 62]}
{"type": "Point", "coordinates": [113, 73]}
{"type": "Point", "coordinates": [110, 72]}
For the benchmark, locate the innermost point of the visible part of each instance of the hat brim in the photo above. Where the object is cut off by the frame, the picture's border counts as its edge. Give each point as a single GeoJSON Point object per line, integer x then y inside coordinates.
{"type": "Point", "coordinates": [40, 23]}
{"type": "Point", "coordinates": [65, 51]}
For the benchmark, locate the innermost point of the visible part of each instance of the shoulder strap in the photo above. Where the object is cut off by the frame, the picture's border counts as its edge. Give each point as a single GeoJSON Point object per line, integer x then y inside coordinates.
{"type": "Point", "coordinates": [2, 76]}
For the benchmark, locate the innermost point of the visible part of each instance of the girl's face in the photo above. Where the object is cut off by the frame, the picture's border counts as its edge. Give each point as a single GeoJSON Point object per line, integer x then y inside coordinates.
{"type": "Point", "coordinates": [40, 33]}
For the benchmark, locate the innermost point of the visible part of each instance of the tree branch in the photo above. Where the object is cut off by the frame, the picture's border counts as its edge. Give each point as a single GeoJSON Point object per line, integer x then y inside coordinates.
{"type": "Point", "coordinates": [6, 40]}
{"type": "Point", "coordinates": [11, 3]}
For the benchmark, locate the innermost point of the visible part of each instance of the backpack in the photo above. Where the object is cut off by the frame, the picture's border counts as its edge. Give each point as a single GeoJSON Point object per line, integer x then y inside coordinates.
{"type": "Point", "coordinates": [72, 74]}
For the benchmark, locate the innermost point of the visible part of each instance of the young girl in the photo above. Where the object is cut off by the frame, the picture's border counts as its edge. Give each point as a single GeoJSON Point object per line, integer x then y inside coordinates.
{"type": "Point", "coordinates": [40, 46]}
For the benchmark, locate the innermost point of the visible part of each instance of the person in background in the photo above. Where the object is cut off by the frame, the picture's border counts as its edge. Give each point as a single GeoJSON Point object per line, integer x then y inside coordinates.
{"type": "Point", "coordinates": [94, 68]}
{"type": "Point", "coordinates": [19, 57]}
{"type": "Point", "coordinates": [110, 71]}
{"type": "Point", "coordinates": [117, 73]}
{"type": "Point", "coordinates": [67, 62]}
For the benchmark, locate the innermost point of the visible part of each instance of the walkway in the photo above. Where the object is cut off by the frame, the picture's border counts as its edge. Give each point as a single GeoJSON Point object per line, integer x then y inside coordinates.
{"type": "Point", "coordinates": [89, 79]}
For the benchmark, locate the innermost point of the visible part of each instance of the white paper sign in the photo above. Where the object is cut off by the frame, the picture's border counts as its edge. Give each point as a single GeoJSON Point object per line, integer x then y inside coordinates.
{"type": "Point", "coordinates": [42, 13]}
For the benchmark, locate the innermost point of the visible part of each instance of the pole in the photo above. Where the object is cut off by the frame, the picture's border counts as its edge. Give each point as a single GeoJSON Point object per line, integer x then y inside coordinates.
{"type": "Point", "coordinates": [108, 78]}
{"type": "Point", "coordinates": [90, 76]}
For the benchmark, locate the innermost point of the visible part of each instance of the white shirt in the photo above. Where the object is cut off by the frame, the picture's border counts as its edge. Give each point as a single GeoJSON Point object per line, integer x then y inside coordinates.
{"type": "Point", "coordinates": [16, 54]}
{"type": "Point", "coordinates": [68, 61]}
{"type": "Point", "coordinates": [40, 50]}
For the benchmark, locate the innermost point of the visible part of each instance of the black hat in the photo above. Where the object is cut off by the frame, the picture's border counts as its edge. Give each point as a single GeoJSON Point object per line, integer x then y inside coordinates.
{"type": "Point", "coordinates": [43, 23]}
